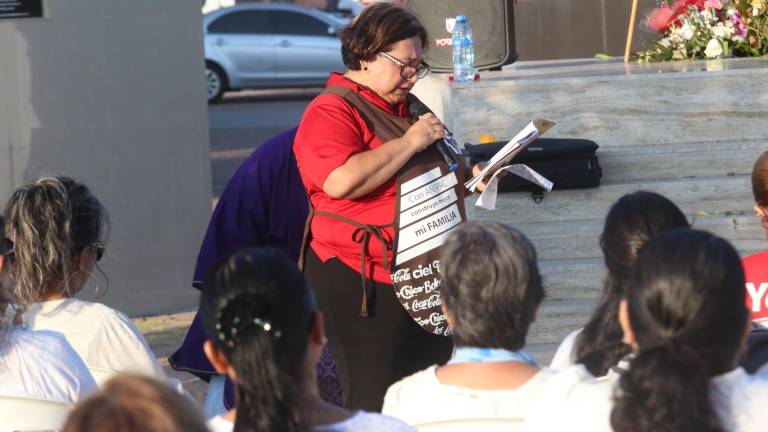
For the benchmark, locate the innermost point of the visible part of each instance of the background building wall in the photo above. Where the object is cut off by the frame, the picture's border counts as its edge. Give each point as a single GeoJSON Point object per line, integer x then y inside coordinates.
{"type": "Point", "coordinates": [111, 93]}
{"type": "Point", "coordinates": [558, 29]}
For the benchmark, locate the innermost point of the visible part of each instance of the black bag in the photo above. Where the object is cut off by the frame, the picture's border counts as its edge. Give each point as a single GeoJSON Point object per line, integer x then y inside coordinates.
{"type": "Point", "coordinates": [568, 163]}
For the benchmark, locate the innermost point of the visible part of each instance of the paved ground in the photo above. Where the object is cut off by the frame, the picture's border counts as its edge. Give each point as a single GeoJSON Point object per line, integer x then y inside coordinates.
{"type": "Point", "coordinates": [164, 334]}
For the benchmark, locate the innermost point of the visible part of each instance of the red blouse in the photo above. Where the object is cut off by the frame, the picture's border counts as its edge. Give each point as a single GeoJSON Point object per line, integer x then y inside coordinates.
{"type": "Point", "coordinates": [756, 275]}
{"type": "Point", "coordinates": [330, 132]}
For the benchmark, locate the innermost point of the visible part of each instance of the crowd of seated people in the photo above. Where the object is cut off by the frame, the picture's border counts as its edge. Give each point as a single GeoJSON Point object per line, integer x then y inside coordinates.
{"type": "Point", "coordinates": [661, 352]}
{"type": "Point", "coordinates": [684, 317]}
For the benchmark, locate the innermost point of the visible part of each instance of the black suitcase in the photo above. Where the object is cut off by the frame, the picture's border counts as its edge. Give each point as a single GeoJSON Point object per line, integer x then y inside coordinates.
{"type": "Point", "coordinates": [568, 163]}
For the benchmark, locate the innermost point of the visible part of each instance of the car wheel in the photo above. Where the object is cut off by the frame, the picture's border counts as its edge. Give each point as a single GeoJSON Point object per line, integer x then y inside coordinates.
{"type": "Point", "coordinates": [215, 82]}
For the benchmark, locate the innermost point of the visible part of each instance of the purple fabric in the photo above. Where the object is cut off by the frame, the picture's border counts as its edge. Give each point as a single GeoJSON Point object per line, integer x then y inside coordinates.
{"type": "Point", "coordinates": [264, 204]}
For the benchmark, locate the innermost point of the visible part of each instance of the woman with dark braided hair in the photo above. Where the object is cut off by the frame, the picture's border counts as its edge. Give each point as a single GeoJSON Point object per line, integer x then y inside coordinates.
{"type": "Point", "coordinates": [630, 223]}
{"type": "Point", "coordinates": [266, 334]}
{"type": "Point", "coordinates": [685, 319]}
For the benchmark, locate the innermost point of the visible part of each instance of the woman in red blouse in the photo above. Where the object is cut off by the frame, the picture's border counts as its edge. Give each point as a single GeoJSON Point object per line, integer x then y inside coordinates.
{"type": "Point", "coordinates": [350, 175]}
{"type": "Point", "coordinates": [756, 265]}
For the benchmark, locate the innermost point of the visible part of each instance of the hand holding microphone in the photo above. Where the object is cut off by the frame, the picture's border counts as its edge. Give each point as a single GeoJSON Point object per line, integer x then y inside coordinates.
{"type": "Point", "coordinates": [436, 132]}
{"type": "Point", "coordinates": [425, 131]}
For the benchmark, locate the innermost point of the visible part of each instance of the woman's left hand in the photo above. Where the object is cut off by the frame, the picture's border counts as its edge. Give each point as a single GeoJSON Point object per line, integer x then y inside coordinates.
{"type": "Point", "coordinates": [477, 168]}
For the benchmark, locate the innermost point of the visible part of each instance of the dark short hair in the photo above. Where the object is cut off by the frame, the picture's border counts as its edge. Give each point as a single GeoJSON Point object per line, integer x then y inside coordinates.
{"type": "Point", "coordinates": [491, 285]}
{"type": "Point", "coordinates": [375, 30]}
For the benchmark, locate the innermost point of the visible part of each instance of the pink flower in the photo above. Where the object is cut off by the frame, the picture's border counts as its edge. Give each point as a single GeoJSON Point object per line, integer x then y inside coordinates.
{"type": "Point", "coordinates": [740, 28]}
{"type": "Point", "coordinates": [716, 4]}
{"type": "Point", "coordinates": [664, 16]}
{"type": "Point", "coordinates": [661, 18]}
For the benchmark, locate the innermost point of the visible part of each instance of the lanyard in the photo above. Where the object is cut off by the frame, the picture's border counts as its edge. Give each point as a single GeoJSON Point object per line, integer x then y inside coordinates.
{"type": "Point", "coordinates": [487, 355]}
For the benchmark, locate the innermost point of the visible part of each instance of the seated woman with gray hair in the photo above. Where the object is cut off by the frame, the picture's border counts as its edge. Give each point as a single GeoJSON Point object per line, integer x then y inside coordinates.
{"type": "Point", "coordinates": [491, 289]}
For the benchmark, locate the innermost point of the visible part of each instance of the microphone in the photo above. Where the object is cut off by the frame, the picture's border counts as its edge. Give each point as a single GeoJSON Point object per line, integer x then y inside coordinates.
{"type": "Point", "coordinates": [418, 109]}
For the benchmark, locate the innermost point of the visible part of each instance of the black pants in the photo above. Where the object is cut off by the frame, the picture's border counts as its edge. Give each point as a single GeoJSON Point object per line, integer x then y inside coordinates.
{"type": "Point", "coordinates": [371, 352]}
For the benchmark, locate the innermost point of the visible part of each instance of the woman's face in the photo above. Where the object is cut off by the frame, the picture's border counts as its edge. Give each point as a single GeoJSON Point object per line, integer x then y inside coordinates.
{"type": "Point", "coordinates": [385, 73]}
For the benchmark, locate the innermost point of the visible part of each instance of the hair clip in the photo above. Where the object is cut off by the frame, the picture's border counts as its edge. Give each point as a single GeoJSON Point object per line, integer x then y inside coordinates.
{"type": "Point", "coordinates": [267, 327]}
{"type": "Point", "coordinates": [229, 337]}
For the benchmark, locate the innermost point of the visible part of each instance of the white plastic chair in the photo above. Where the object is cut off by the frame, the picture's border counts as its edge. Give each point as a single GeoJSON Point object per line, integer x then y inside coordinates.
{"type": "Point", "coordinates": [26, 414]}
{"type": "Point", "coordinates": [473, 424]}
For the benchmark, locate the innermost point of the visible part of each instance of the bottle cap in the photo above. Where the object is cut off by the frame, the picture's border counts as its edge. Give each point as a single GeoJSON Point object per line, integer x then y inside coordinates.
{"type": "Point", "coordinates": [461, 18]}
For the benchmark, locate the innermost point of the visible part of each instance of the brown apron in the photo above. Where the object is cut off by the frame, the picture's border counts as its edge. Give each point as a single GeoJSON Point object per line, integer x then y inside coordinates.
{"type": "Point", "coordinates": [430, 204]}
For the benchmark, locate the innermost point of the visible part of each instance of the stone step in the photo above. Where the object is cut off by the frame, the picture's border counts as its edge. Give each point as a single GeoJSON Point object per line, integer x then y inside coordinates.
{"type": "Point", "coordinates": [579, 239]}
{"type": "Point", "coordinates": [730, 195]}
{"type": "Point", "coordinates": [557, 318]}
{"type": "Point", "coordinates": [679, 161]}
{"type": "Point", "coordinates": [570, 279]}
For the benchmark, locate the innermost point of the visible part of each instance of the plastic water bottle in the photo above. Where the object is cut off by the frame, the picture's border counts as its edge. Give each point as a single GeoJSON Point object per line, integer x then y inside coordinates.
{"type": "Point", "coordinates": [463, 51]}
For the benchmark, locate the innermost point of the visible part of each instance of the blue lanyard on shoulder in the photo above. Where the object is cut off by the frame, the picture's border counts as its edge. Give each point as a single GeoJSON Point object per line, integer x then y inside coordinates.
{"type": "Point", "coordinates": [487, 355]}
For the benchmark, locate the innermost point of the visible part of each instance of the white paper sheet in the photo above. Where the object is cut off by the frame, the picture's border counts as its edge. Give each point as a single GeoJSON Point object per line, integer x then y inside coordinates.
{"type": "Point", "coordinates": [526, 136]}
{"type": "Point", "coordinates": [487, 199]}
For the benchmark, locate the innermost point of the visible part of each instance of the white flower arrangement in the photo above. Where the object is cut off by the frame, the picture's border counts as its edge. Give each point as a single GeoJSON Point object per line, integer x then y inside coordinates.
{"type": "Point", "coordinates": [708, 29]}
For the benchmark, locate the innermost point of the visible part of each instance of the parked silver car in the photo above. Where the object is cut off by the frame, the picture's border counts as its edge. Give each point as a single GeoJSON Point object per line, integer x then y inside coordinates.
{"type": "Point", "coordinates": [269, 45]}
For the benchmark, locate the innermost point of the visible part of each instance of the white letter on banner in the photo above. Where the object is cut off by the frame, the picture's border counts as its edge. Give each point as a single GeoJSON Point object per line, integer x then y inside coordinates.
{"type": "Point", "coordinates": [436, 204]}
{"type": "Point", "coordinates": [428, 228]}
{"type": "Point", "coordinates": [428, 191]}
{"type": "Point", "coordinates": [420, 181]}
{"type": "Point", "coordinates": [756, 294]}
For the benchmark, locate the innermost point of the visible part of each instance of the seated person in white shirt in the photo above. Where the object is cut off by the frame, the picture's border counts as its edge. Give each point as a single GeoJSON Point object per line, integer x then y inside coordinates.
{"type": "Point", "coordinates": [265, 333]}
{"type": "Point", "coordinates": [684, 316]}
{"type": "Point", "coordinates": [490, 290]}
{"type": "Point", "coordinates": [630, 223]}
{"type": "Point", "coordinates": [36, 365]}
{"type": "Point", "coordinates": [57, 227]}
{"type": "Point", "coordinates": [133, 403]}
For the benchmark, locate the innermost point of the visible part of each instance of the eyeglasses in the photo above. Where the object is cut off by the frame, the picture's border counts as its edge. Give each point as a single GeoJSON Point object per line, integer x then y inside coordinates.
{"type": "Point", "coordinates": [98, 248]}
{"type": "Point", "coordinates": [6, 247]}
{"type": "Point", "coordinates": [407, 71]}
